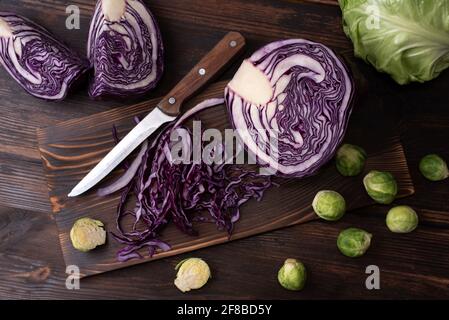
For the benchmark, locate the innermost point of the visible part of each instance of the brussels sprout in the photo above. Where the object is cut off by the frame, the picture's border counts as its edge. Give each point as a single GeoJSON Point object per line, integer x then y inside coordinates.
{"type": "Point", "coordinates": [350, 160]}
{"type": "Point", "coordinates": [354, 242]}
{"type": "Point", "coordinates": [402, 219]}
{"type": "Point", "coordinates": [193, 273]}
{"type": "Point", "coordinates": [329, 205]}
{"type": "Point", "coordinates": [292, 275]}
{"type": "Point", "coordinates": [434, 168]}
{"type": "Point", "coordinates": [87, 234]}
{"type": "Point", "coordinates": [381, 186]}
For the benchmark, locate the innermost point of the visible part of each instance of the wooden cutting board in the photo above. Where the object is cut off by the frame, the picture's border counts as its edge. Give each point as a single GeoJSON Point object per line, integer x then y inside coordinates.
{"type": "Point", "coordinates": [71, 149]}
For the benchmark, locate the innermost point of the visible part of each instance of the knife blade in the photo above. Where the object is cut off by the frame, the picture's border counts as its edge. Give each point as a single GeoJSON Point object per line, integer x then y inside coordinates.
{"type": "Point", "coordinates": [167, 109]}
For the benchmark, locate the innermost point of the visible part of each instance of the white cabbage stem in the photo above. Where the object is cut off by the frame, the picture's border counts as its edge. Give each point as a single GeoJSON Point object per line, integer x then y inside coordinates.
{"type": "Point", "coordinates": [252, 84]}
{"type": "Point", "coordinates": [5, 30]}
{"type": "Point", "coordinates": [113, 10]}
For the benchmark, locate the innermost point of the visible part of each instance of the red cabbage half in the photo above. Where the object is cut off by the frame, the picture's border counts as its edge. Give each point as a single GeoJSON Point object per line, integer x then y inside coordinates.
{"type": "Point", "coordinates": [125, 48]}
{"type": "Point", "coordinates": [42, 65]}
{"type": "Point", "coordinates": [297, 94]}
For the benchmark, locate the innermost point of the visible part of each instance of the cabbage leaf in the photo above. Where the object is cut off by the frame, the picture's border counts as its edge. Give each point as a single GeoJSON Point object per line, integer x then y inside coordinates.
{"type": "Point", "coordinates": [408, 39]}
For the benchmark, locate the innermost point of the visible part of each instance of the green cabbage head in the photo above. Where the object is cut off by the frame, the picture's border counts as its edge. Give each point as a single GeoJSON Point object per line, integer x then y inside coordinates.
{"type": "Point", "coordinates": [408, 39]}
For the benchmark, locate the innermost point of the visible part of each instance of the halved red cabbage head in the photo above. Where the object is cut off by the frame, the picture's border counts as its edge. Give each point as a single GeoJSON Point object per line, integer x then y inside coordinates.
{"type": "Point", "coordinates": [291, 102]}
{"type": "Point", "coordinates": [125, 48]}
{"type": "Point", "coordinates": [42, 65]}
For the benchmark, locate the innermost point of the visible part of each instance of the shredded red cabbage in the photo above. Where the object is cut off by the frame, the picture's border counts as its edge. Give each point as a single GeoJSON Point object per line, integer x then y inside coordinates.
{"type": "Point", "coordinates": [168, 191]}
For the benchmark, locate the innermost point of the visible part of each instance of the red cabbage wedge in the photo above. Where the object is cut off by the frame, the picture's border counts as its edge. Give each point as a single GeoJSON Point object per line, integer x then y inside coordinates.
{"type": "Point", "coordinates": [42, 65]}
{"type": "Point", "coordinates": [125, 48]}
{"type": "Point", "coordinates": [291, 102]}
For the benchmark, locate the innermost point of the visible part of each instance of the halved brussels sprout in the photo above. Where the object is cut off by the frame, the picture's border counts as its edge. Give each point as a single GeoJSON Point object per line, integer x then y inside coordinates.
{"type": "Point", "coordinates": [193, 273]}
{"type": "Point", "coordinates": [87, 234]}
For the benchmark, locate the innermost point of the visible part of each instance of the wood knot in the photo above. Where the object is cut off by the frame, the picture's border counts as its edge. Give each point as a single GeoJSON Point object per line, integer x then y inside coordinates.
{"type": "Point", "coordinates": [39, 275]}
{"type": "Point", "coordinates": [56, 205]}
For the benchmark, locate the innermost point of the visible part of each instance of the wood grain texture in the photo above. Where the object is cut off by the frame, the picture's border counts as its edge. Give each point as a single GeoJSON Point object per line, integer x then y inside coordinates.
{"type": "Point", "coordinates": [71, 149]}
{"type": "Point", "coordinates": [190, 29]}
{"type": "Point", "coordinates": [413, 266]}
{"type": "Point", "coordinates": [326, 2]}
{"type": "Point", "coordinates": [410, 269]}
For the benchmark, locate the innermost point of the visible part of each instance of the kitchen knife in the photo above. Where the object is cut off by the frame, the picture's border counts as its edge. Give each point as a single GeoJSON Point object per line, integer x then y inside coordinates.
{"type": "Point", "coordinates": [167, 109]}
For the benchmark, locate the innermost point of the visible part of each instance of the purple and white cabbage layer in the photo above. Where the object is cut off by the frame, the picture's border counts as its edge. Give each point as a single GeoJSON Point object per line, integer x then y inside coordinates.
{"type": "Point", "coordinates": [41, 64]}
{"type": "Point", "coordinates": [125, 48]}
{"type": "Point", "coordinates": [291, 102]}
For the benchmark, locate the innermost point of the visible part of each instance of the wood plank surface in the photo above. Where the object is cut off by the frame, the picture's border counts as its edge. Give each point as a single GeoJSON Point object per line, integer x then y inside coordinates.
{"type": "Point", "coordinates": [190, 29]}
{"type": "Point", "coordinates": [412, 266]}
{"type": "Point", "coordinates": [71, 149]}
{"type": "Point", "coordinates": [242, 269]}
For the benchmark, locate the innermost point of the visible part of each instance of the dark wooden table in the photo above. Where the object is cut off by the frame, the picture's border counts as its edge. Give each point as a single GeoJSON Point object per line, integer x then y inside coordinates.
{"type": "Point", "coordinates": [412, 266]}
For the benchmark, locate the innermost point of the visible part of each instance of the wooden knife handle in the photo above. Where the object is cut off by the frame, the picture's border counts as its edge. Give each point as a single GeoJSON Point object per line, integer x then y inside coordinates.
{"type": "Point", "coordinates": [210, 66]}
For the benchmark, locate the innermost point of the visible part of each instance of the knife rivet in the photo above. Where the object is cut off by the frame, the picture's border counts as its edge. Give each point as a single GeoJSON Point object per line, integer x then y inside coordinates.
{"type": "Point", "coordinates": [172, 100]}
{"type": "Point", "coordinates": [233, 44]}
{"type": "Point", "coordinates": [202, 71]}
